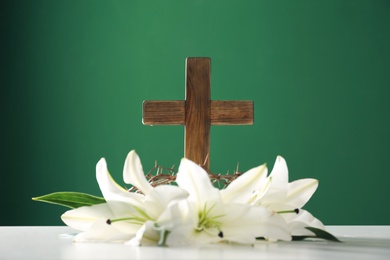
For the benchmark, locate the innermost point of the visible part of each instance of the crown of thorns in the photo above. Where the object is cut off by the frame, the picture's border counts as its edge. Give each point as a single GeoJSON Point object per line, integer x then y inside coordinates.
{"type": "Point", "coordinates": [160, 175]}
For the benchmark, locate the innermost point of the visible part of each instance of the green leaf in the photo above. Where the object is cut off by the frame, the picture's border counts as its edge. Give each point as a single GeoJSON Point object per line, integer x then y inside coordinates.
{"type": "Point", "coordinates": [71, 199]}
{"type": "Point", "coordinates": [319, 233]}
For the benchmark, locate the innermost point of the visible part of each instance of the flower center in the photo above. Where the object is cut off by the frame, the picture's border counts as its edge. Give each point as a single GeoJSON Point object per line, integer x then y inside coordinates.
{"type": "Point", "coordinates": [207, 223]}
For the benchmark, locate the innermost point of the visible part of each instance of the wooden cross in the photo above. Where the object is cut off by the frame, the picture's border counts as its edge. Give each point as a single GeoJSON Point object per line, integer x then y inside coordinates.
{"type": "Point", "coordinates": [197, 112]}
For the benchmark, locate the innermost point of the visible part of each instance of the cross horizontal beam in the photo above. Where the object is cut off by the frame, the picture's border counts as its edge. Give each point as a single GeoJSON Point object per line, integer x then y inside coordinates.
{"type": "Point", "coordinates": [223, 112]}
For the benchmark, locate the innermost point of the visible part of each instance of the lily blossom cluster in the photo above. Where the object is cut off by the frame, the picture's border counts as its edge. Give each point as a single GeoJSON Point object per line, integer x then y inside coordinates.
{"type": "Point", "coordinates": [253, 206]}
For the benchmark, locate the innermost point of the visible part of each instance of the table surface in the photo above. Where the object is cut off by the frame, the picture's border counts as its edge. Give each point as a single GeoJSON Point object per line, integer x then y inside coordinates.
{"type": "Point", "coordinates": [358, 242]}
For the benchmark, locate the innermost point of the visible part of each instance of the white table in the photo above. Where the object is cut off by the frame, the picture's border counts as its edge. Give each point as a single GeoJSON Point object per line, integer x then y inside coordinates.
{"type": "Point", "coordinates": [359, 242]}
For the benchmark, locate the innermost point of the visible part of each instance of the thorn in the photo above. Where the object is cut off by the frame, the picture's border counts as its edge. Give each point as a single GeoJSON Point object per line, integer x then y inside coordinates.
{"type": "Point", "coordinates": [205, 160]}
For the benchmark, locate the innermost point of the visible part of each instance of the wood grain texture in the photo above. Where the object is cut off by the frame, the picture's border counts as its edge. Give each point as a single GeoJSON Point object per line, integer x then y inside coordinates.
{"type": "Point", "coordinates": [223, 112]}
{"type": "Point", "coordinates": [231, 112]}
{"type": "Point", "coordinates": [163, 112]}
{"type": "Point", "coordinates": [198, 111]}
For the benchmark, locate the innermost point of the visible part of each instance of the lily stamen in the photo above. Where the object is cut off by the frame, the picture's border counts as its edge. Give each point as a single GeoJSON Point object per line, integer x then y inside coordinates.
{"type": "Point", "coordinates": [288, 211]}
{"type": "Point", "coordinates": [134, 220]}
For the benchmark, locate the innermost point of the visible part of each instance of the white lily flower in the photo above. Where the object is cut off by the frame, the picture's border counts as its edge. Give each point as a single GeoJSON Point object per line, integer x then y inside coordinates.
{"type": "Point", "coordinates": [214, 220]}
{"type": "Point", "coordinates": [124, 213]}
{"type": "Point", "coordinates": [196, 212]}
{"type": "Point", "coordinates": [288, 198]}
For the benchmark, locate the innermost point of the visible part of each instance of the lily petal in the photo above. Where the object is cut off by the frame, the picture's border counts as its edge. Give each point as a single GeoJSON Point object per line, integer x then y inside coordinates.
{"type": "Point", "coordinates": [100, 231]}
{"type": "Point", "coordinates": [111, 190]}
{"type": "Point", "coordinates": [300, 191]}
{"type": "Point", "coordinates": [195, 180]}
{"type": "Point", "coordinates": [82, 218]}
{"type": "Point", "coordinates": [146, 235]}
{"type": "Point", "coordinates": [244, 223]}
{"type": "Point", "coordinates": [299, 222]}
{"type": "Point", "coordinates": [242, 188]}
{"type": "Point", "coordinates": [160, 197]}
{"type": "Point", "coordinates": [178, 219]}
{"type": "Point", "coordinates": [279, 181]}
{"type": "Point", "coordinates": [260, 193]}
{"type": "Point", "coordinates": [133, 173]}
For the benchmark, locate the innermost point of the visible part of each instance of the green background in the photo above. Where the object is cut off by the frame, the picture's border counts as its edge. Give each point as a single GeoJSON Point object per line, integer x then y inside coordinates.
{"type": "Point", "coordinates": [74, 75]}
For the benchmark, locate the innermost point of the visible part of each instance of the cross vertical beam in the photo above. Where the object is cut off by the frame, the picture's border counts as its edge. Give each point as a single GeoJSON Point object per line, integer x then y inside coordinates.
{"type": "Point", "coordinates": [198, 111]}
